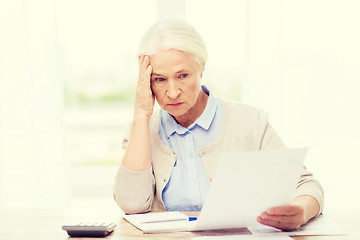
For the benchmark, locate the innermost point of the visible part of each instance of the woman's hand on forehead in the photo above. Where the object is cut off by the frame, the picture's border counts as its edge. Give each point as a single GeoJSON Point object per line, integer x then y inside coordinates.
{"type": "Point", "coordinates": [144, 100]}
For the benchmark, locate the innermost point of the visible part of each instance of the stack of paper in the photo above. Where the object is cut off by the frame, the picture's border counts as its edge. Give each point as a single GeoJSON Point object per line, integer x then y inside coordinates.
{"type": "Point", "coordinates": [157, 222]}
{"type": "Point", "coordinates": [242, 237]}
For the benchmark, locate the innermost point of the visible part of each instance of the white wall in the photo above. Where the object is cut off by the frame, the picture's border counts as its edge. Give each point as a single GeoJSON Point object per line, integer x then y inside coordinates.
{"type": "Point", "coordinates": [304, 69]}
{"type": "Point", "coordinates": [32, 163]}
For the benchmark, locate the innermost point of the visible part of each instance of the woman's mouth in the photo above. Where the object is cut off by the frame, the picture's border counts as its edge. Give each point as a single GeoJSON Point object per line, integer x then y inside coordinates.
{"type": "Point", "coordinates": [175, 105]}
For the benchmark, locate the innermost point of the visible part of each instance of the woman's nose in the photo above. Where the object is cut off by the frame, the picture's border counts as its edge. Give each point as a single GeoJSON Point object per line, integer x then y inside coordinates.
{"type": "Point", "coordinates": [173, 90]}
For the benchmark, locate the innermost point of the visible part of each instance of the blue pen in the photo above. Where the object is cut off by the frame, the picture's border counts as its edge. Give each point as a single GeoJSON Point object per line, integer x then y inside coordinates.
{"type": "Point", "coordinates": [192, 218]}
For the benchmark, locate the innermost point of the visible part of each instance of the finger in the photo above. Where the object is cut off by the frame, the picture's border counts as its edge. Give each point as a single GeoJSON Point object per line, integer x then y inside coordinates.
{"type": "Point", "coordinates": [285, 210]}
{"type": "Point", "coordinates": [141, 58]}
{"type": "Point", "coordinates": [148, 71]}
{"type": "Point", "coordinates": [279, 225]}
{"type": "Point", "coordinates": [282, 218]}
{"type": "Point", "coordinates": [147, 76]}
{"type": "Point", "coordinates": [147, 67]}
{"type": "Point", "coordinates": [282, 221]}
{"type": "Point", "coordinates": [144, 64]}
{"type": "Point", "coordinates": [146, 60]}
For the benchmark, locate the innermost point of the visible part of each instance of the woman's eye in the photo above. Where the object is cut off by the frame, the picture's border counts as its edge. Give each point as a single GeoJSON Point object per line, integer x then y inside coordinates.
{"type": "Point", "coordinates": [160, 79]}
{"type": "Point", "coordinates": [184, 75]}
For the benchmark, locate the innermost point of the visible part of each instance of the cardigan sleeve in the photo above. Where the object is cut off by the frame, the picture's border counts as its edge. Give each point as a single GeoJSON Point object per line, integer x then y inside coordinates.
{"type": "Point", "coordinates": [133, 191]}
{"type": "Point", "coordinates": [307, 184]}
{"type": "Point", "coordinates": [271, 139]}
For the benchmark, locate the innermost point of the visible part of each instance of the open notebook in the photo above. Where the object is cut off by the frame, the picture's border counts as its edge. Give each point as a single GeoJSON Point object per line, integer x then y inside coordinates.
{"type": "Point", "coordinates": [244, 185]}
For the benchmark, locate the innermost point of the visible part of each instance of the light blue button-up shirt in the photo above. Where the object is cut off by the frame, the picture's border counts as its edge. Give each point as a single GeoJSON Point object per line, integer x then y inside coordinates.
{"type": "Point", "coordinates": [187, 187]}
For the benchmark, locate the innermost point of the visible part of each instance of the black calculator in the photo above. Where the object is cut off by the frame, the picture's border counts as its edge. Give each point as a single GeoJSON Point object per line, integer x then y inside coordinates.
{"type": "Point", "coordinates": [90, 229]}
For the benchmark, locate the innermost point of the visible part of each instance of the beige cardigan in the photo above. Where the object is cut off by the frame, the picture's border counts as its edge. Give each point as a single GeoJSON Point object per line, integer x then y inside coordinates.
{"type": "Point", "coordinates": [244, 128]}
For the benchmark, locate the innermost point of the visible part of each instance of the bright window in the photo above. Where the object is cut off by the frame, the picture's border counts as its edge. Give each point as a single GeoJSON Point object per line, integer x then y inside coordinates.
{"type": "Point", "coordinates": [98, 44]}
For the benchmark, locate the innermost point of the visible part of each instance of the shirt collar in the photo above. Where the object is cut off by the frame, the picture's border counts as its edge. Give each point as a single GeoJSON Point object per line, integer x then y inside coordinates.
{"type": "Point", "coordinates": [170, 125]}
{"type": "Point", "coordinates": [204, 121]}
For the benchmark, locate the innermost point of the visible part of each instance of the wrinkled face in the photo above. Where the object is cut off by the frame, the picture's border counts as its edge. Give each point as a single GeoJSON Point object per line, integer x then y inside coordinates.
{"type": "Point", "coordinates": [175, 81]}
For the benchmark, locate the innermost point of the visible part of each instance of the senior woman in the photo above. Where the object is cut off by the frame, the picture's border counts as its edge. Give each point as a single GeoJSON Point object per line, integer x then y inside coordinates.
{"type": "Point", "coordinates": [170, 155]}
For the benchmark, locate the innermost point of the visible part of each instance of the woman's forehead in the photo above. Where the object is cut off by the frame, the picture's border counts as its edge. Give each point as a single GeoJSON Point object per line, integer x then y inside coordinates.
{"type": "Point", "coordinates": [174, 61]}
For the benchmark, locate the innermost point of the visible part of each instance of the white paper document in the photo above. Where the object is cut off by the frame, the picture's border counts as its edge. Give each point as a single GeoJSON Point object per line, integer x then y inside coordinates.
{"type": "Point", "coordinates": [155, 217]}
{"type": "Point", "coordinates": [244, 185]}
{"type": "Point", "coordinates": [247, 183]}
{"type": "Point", "coordinates": [242, 237]}
{"type": "Point", "coordinates": [157, 222]}
{"type": "Point", "coordinates": [315, 227]}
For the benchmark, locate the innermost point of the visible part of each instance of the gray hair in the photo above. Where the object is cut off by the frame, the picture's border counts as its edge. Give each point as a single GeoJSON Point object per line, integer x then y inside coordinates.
{"type": "Point", "coordinates": [174, 33]}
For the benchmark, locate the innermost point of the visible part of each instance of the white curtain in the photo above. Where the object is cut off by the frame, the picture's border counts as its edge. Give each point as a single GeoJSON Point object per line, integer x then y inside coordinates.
{"type": "Point", "coordinates": [32, 162]}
